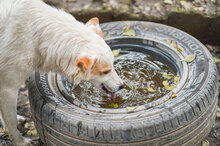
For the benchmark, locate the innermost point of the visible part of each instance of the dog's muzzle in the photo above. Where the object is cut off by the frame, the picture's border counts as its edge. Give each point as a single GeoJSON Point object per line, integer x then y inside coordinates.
{"type": "Point", "coordinates": [111, 95]}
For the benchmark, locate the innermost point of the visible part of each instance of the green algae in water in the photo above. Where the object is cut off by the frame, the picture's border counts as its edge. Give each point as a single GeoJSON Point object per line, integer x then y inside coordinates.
{"type": "Point", "coordinates": [140, 72]}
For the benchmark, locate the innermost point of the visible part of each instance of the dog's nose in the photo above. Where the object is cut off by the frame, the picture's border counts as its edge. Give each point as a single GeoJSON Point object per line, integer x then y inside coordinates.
{"type": "Point", "coordinates": [121, 87]}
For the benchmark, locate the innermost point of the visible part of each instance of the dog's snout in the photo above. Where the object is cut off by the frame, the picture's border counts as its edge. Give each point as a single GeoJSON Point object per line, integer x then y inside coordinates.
{"type": "Point", "coordinates": [121, 87]}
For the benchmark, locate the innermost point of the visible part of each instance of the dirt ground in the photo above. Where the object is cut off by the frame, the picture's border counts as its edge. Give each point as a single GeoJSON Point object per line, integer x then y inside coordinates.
{"type": "Point", "coordinates": [156, 10]}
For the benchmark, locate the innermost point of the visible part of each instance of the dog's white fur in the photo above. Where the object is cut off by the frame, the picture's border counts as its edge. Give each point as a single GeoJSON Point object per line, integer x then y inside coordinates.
{"type": "Point", "coordinates": [35, 36]}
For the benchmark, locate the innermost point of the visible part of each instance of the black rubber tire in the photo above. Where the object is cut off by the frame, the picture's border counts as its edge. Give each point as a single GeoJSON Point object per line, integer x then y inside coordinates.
{"type": "Point", "coordinates": [184, 120]}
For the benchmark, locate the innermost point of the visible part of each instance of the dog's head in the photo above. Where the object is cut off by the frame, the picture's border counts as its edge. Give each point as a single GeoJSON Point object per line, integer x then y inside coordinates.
{"type": "Point", "coordinates": [95, 63]}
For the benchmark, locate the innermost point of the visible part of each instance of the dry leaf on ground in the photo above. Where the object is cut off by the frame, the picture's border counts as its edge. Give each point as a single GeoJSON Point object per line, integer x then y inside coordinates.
{"type": "Point", "coordinates": [209, 47]}
{"type": "Point", "coordinates": [168, 2]}
{"type": "Point", "coordinates": [128, 30]}
{"type": "Point", "coordinates": [217, 60]}
{"type": "Point", "coordinates": [174, 45]}
{"type": "Point", "coordinates": [218, 112]}
{"type": "Point", "coordinates": [32, 132]}
{"type": "Point", "coordinates": [205, 143]}
{"type": "Point", "coordinates": [179, 50]}
{"type": "Point", "coordinates": [29, 125]}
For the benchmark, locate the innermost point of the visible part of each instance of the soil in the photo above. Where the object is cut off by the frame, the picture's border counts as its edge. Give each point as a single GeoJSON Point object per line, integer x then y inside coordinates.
{"type": "Point", "coordinates": [25, 126]}
{"type": "Point", "coordinates": [184, 14]}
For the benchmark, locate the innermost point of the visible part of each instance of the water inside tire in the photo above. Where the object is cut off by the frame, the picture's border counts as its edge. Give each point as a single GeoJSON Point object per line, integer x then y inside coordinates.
{"type": "Point", "coordinates": [142, 74]}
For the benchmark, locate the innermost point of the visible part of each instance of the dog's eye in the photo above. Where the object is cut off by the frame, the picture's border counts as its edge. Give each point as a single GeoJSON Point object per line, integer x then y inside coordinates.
{"type": "Point", "coordinates": [106, 72]}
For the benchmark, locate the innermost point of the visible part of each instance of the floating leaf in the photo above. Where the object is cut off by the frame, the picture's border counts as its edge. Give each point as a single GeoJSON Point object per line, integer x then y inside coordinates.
{"type": "Point", "coordinates": [129, 32]}
{"type": "Point", "coordinates": [165, 84]}
{"type": "Point", "coordinates": [166, 76]}
{"type": "Point", "coordinates": [217, 60]}
{"type": "Point", "coordinates": [218, 112]}
{"type": "Point", "coordinates": [113, 105]}
{"type": "Point", "coordinates": [131, 107]}
{"type": "Point", "coordinates": [116, 52]}
{"type": "Point", "coordinates": [150, 89]}
{"type": "Point", "coordinates": [190, 58]}
{"type": "Point", "coordinates": [205, 143]}
{"type": "Point", "coordinates": [176, 79]}
{"type": "Point", "coordinates": [169, 76]}
{"type": "Point", "coordinates": [32, 132]}
{"type": "Point", "coordinates": [173, 95]}
{"type": "Point", "coordinates": [171, 87]}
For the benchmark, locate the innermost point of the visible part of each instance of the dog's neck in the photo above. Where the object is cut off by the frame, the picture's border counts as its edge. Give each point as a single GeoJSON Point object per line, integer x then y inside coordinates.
{"type": "Point", "coordinates": [60, 37]}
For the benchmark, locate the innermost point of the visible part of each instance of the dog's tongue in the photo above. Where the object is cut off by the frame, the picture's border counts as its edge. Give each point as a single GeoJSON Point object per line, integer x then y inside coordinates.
{"type": "Point", "coordinates": [113, 96]}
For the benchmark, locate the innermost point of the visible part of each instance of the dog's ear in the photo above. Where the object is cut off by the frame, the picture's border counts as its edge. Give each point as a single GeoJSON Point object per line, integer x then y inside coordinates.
{"type": "Point", "coordinates": [93, 24]}
{"type": "Point", "coordinates": [84, 63]}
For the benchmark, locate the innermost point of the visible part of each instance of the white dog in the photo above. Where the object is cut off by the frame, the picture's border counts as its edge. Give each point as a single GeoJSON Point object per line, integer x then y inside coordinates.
{"type": "Point", "coordinates": [35, 36]}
